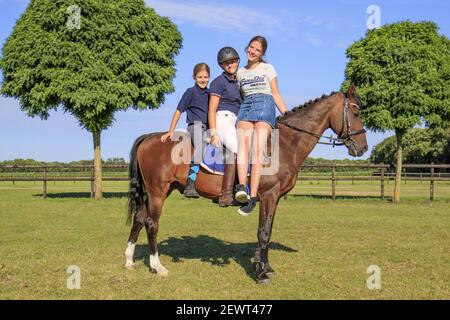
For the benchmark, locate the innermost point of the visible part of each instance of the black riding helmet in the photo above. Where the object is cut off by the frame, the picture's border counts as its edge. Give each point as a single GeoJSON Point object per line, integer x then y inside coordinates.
{"type": "Point", "coordinates": [226, 54]}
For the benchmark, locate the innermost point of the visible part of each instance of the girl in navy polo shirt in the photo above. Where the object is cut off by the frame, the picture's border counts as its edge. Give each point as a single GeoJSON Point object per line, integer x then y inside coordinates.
{"type": "Point", "coordinates": [195, 102]}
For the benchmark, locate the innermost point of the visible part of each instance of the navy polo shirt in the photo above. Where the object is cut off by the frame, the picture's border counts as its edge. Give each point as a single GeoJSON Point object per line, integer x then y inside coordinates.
{"type": "Point", "coordinates": [228, 91]}
{"type": "Point", "coordinates": [195, 102]}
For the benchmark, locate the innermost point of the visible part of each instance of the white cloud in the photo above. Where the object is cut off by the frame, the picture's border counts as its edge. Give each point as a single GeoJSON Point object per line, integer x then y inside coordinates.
{"type": "Point", "coordinates": [284, 23]}
{"type": "Point", "coordinates": [19, 1]}
{"type": "Point", "coordinates": [247, 20]}
{"type": "Point", "coordinates": [314, 39]}
{"type": "Point", "coordinates": [220, 16]}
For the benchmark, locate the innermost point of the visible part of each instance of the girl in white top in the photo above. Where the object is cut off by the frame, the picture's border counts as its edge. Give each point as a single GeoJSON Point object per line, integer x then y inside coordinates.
{"type": "Point", "coordinates": [256, 118]}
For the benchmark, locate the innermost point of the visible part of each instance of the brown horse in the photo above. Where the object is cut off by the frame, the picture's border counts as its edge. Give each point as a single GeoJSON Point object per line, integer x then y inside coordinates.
{"type": "Point", "coordinates": [154, 175]}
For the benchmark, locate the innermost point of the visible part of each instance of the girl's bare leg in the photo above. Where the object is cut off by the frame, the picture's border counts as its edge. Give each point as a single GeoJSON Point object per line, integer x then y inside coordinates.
{"type": "Point", "coordinates": [244, 134]}
{"type": "Point", "coordinates": [261, 133]}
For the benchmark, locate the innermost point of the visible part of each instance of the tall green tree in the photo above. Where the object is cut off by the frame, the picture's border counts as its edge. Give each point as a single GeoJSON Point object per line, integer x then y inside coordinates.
{"type": "Point", "coordinates": [402, 71]}
{"type": "Point", "coordinates": [419, 146]}
{"type": "Point", "coordinates": [90, 58]}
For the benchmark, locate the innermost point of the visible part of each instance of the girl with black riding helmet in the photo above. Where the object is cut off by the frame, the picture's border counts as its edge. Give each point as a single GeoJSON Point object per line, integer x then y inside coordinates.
{"type": "Point", "coordinates": [256, 118]}
{"type": "Point", "coordinates": [225, 100]}
{"type": "Point", "coordinates": [195, 102]}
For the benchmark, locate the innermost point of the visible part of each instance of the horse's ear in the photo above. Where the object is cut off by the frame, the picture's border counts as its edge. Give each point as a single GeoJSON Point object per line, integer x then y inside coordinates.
{"type": "Point", "coordinates": [351, 90]}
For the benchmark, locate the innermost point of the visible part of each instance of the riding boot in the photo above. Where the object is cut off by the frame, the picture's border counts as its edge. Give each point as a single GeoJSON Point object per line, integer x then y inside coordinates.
{"type": "Point", "coordinates": [229, 176]}
{"type": "Point", "coordinates": [190, 192]}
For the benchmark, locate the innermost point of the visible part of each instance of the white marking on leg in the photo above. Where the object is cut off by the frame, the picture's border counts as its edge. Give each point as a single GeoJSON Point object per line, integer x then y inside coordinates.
{"type": "Point", "coordinates": [156, 265]}
{"type": "Point", "coordinates": [129, 253]}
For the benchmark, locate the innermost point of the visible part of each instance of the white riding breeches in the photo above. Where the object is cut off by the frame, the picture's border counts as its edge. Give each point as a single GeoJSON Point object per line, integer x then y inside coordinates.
{"type": "Point", "coordinates": [226, 129]}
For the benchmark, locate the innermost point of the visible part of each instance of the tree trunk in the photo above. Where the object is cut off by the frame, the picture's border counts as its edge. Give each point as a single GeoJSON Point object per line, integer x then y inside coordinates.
{"type": "Point", "coordinates": [398, 174]}
{"type": "Point", "coordinates": [97, 166]}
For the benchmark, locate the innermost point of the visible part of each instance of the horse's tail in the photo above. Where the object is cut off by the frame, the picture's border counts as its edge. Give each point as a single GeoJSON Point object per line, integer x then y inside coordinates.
{"type": "Point", "coordinates": [136, 194]}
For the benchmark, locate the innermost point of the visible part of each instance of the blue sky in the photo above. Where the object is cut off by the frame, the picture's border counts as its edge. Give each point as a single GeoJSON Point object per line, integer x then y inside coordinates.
{"type": "Point", "coordinates": [307, 42]}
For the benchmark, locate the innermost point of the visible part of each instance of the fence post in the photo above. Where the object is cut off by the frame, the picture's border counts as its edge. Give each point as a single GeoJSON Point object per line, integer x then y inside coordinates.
{"type": "Point", "coordinates": [432, 182]}
{"type": "Point", "coordinates": [333, 183]}
{"type": "Point", "coordinates": [44, 180]}
{"type": "Point", "coordinates": [92, 183]}
{"type": "Point", "coordinates": [382, 181]}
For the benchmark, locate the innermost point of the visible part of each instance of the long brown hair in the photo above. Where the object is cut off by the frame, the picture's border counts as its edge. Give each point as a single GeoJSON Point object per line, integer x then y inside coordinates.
{"type": "Point", "coordinates": [201, 67]}
{"type": "Point", "coordinates": [263, 43]}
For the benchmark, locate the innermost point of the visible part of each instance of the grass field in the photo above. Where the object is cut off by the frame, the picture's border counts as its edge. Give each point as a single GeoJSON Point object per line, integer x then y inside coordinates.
{"type": "Point", "coordinates": [320, 249]}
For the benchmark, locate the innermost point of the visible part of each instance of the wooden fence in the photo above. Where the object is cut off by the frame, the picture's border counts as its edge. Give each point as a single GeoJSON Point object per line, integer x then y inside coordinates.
{"type": "Point", "coordinates": [384, 173]}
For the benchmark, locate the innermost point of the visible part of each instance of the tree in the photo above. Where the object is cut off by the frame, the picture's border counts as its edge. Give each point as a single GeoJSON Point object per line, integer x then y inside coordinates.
{"type": "Point", "coordinates": [403, 74]}
{"type": "Point", "coordinates": [91, 58]}
{"type": "Point", "coordinates": [420, 146]}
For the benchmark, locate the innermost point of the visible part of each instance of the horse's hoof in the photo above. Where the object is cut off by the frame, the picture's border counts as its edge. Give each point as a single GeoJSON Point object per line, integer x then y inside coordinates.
{"type": "Point", "coordinates": [163, 274]}
{"type": "Point", "coordinates": [263, 280]}
{"type": "Point", "coordinates": [270, 271]}
{"type": "Point", "coordinates": [131, 267]}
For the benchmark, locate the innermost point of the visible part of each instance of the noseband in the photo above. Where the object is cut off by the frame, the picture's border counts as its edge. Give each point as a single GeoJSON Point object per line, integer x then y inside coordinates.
{"type": "Point", "coordinates": [343, 138]}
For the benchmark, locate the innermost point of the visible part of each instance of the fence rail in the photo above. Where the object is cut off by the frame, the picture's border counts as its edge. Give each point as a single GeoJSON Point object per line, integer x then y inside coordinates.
{"type": "Point", "coordinates": [383, 174]}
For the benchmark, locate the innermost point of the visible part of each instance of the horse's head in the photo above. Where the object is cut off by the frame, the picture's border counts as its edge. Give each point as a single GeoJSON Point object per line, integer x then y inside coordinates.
{"type": "Point", "coordinates": [345, 121]}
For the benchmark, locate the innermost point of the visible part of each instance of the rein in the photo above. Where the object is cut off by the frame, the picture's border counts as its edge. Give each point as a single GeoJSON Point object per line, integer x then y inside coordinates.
{"type": "Point", "coordinates": [342, 139]}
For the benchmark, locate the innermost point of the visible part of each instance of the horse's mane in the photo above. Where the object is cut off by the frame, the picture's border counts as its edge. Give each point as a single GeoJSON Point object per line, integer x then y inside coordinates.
{"type": "Point", "coordinates": [302, 107]}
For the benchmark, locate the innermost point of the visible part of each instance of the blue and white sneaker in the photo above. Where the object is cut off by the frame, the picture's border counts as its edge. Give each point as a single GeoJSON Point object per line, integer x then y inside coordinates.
{"type": "Point", "coordinates": [248, 209]}
{"type": "Point", "coordinates": [242, 194]}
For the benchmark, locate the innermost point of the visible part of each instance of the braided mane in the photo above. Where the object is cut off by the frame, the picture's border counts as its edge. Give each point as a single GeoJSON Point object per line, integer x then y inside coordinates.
{"type": "Point", "coordinates": [303, 106]}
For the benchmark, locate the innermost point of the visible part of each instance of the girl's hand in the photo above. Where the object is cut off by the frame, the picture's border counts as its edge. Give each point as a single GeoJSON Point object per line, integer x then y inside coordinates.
{"type": "Point", "coordinates": [215, 140]}
{"type": "Point", "coordinates": [168, 135]}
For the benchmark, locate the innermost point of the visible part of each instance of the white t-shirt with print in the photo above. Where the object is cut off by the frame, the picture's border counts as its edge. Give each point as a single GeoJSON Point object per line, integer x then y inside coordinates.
{"type": "Point", "coordinates": [256, 80]}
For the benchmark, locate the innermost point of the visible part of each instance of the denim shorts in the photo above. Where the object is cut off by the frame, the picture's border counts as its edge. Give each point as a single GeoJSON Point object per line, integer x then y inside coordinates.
{"type": "Point", "coordinates": [258, 107]}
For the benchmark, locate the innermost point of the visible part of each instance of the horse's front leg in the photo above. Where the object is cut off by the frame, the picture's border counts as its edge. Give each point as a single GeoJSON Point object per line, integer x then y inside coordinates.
{"type": "Point", "coordinates": [267, 208]}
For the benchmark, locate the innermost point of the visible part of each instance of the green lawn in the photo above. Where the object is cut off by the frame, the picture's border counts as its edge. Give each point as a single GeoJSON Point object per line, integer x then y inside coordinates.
{"type": "Point", "coordinates": [320, 249]}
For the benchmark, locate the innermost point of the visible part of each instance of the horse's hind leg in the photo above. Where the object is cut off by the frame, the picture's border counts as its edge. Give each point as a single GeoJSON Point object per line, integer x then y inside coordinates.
{"type": "Point", "coordinates": [152, 224]}
{"type": "Point", "coordinates": [138, 223]}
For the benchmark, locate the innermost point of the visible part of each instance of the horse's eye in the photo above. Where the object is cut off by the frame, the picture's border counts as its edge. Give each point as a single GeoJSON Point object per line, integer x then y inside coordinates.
{"type": "Point", "coordinates": [355, 109]}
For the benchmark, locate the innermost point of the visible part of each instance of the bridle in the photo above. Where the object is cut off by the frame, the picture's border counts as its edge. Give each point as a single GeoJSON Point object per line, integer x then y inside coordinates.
{"type": "Point", "coordinates": [343, 138]}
